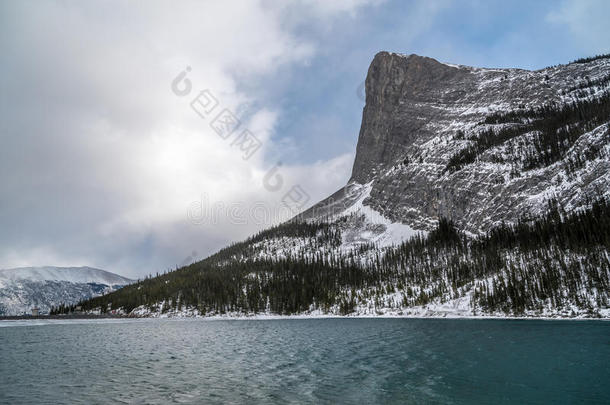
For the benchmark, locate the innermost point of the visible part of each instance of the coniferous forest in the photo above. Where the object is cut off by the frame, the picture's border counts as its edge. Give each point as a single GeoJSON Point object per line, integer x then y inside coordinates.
{"type": "Point", "coordinates": [553, 129]}
{"type": "Point", "coordinates": [558, 261]}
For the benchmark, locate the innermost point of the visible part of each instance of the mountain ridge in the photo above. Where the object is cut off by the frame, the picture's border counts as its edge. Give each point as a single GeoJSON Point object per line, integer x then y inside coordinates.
{"type": "Point", "coordinates": [44, 287]}
{"type": "Point", "coordinates": [420, 113]}
{"type": "Point", "coordinates": [80, 274]}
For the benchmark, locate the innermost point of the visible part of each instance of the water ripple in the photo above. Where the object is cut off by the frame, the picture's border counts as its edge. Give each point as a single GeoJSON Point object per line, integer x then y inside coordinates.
{"type": "Point", "coordinates": [305, 361]}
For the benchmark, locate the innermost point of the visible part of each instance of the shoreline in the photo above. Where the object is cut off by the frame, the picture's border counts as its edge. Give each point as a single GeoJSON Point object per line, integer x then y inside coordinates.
{"type": "Point", "coordinates": [46, 317]}
{"type": "Point", "coordinates": [270, 317]}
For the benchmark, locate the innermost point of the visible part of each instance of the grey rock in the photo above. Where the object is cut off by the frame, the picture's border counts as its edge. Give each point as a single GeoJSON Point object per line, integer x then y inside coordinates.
{"type": "Point", "coordinates": [415, 107]}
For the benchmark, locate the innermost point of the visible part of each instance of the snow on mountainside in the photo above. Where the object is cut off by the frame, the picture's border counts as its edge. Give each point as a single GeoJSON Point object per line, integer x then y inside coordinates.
{"type": "Point", "coordinates": [26, 287]}
{"type": "Point", "coordinates": [421, 116]}
{"type": "Point", "coordinates": [70, 274]}
{"type": "Point", "coordinates": [363, 224]}
{"type": "Point", "coordinates": [446, 154]}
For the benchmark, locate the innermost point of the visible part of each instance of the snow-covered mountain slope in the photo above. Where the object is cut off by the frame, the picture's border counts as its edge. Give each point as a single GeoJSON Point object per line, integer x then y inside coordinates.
{"type": "Point", "coordinates": [70, 274]}
{"type": "Point", "coordinates": [43, 287]}
{"type": "Point", "coordinates": [474, 145]}
{"type": "Point", "coordinates": [474, 192]}
{"type": "Point", "coordinates": [360, 223]}
{"type": "Point", "coordinates": [479, 147]}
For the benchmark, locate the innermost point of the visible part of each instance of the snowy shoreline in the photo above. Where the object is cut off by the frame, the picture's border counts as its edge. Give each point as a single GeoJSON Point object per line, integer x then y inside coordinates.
{"type": "Point", "coordinates": [86, 320]}
{"type": "Point", "coordinates": [385, 316]}
{"type": "Point", "coordinates": [421, 314]}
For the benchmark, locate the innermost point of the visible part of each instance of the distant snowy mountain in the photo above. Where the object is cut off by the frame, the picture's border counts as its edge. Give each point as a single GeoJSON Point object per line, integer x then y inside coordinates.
{"type": "Point", "coordinates": [23, 288]}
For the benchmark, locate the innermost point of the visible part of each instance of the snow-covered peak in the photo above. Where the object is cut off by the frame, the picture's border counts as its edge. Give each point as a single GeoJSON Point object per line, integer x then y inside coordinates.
{"type": "Point", "coordinates": [70, 274]}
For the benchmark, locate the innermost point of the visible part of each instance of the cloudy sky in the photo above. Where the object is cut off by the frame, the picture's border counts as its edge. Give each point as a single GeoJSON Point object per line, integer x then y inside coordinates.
{"type": "Point", "coordinates": [109, 159]}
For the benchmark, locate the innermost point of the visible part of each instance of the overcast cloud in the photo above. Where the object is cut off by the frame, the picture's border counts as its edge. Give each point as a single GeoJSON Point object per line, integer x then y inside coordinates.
{"type": "Point", "coordinates": [101, 162]}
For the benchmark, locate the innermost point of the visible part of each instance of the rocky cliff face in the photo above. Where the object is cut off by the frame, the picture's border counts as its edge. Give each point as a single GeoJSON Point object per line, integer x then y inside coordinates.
{"type": "Point", "coordinates": [402, 96]}
{"type": "Point", "coordinates": [421, 113]}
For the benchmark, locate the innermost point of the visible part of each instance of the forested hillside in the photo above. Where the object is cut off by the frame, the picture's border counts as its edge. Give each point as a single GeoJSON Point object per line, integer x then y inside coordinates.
{"type": "Point", "coordinates": [474, 191]}
{"type": "Point", "coordinates": [559, 262]}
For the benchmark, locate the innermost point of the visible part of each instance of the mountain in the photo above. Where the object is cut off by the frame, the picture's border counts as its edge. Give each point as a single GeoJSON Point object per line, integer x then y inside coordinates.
{"type": "Point", "coordinates": [23, 288]}
{"type": "Point", "coordinates": [474, 192]}
{"type": "Point", "coordinates": [477, 146]}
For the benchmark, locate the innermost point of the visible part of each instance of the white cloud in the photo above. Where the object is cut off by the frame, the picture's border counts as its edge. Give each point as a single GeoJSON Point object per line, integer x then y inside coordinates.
{"type": "Point", "coordinates": [587, 21]}
{"type": "Point", "coordinates": [325, 8]}
{"type": "Point", "coordinates": [100, 160]}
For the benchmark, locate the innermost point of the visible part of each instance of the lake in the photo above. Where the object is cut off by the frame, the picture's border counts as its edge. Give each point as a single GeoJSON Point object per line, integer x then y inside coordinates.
{"type": "Point", "coordinates": [155, 361]}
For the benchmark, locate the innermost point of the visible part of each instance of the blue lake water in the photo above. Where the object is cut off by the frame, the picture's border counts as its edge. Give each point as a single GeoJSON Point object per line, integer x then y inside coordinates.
{"type": "Point", "coordinates": [305, 361]}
